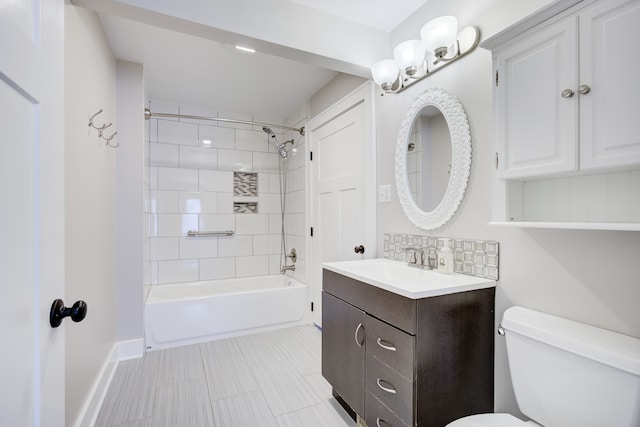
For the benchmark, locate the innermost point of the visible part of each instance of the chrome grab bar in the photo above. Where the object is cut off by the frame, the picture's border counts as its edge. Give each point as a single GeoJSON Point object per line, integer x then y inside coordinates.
{"type": "Point", "coordinates": [192, 233]}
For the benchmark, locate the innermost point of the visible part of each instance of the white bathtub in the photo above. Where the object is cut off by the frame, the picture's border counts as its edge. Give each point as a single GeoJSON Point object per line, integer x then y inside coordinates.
{"type": "Point", "coordinates": [189, 313]}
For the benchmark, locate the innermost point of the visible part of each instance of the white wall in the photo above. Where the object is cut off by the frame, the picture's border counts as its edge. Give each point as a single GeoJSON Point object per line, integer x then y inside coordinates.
{"type": "Point", "coordinates": [90, 74]}
{"type": "Point", "coordinates": [129, 199]}
{"type": "Point", "coordinates": [589, 276]}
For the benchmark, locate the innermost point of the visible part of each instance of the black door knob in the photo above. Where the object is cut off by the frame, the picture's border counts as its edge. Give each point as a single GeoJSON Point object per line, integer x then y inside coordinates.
{"type": "Point", "coordinates": [359, 249]}
{"type": "Point", "coordinates": [77, 312]}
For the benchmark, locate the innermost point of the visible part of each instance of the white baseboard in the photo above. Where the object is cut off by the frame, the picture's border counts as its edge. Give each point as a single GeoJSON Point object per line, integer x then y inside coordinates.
{"type": "Point", "coordinates": [132, 349]}
{"type": "Point", "coordinates": [123, 350]}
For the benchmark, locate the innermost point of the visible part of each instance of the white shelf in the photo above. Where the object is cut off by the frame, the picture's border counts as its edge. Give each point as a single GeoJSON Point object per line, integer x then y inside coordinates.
{"type": "Point", "coordinates": [612, 226]}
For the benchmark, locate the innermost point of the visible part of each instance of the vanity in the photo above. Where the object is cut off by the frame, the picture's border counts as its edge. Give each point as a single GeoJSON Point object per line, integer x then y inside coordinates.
{"type": "Point", "coordinates": [403, 346]}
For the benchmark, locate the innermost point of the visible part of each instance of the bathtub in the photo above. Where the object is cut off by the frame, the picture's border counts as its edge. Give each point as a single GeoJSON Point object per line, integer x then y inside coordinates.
{"type": "Point", "coordinates": [188, 313]}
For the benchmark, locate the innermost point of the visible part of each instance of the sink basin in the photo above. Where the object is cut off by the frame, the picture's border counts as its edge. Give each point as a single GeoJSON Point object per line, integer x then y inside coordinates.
{"type": "Point", "coordinates": [411, 282]}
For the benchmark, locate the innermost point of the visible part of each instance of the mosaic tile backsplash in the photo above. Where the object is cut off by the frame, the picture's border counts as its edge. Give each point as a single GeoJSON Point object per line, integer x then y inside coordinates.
{"type": "Point", "coordinates": [474, 257]}
{"type": "Point", "coordinates": [245, 184]}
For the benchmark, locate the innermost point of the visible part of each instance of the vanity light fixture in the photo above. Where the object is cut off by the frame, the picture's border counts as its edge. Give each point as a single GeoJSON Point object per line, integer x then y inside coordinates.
{"type": "Point", "coordinates": [440, 44]}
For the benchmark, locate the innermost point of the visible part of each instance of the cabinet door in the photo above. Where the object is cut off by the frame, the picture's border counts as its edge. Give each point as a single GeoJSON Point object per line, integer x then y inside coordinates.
{"type": "Point", "coordinates": [343, 356]}
{"type": "Point", "coordinates": [610, 66]}
{"type": "Point", "coordinates": [537, 126]}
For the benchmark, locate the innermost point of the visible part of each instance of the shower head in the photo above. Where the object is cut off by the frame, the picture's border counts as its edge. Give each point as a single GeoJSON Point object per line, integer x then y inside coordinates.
{"type": "Point", "coordinates": [268, 131]}
{"type": "Point", "coordinates": [282, 149]}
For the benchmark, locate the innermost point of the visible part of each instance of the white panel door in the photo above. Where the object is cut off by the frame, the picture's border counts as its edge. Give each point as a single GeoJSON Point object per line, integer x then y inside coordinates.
{"type": "Point", "coordinates": [610, 66]}
{"type": "Point", "coordinates": [32, 222]}
{"type": "Point", "coordinates": [537, 131]}
{"type": "Point", "coordinates": [342, 209]}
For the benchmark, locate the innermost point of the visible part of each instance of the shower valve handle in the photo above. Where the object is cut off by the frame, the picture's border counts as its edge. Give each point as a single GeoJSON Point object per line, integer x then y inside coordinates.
{"type": "Point", "coordinates": [359, 249]}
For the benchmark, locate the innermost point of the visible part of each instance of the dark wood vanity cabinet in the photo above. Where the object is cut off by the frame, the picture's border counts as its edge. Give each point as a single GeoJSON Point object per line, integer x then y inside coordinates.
{"type": "Point", "coordinates": [397, 361]}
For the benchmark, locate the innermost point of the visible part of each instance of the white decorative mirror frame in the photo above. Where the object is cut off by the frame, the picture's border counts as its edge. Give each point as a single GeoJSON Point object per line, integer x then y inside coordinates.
{"type": "Point", "coordinates": [456, 118]}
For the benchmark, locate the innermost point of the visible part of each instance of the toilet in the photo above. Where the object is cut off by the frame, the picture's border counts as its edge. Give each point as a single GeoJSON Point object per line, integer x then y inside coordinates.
{"type": "Point", "coordinates": [567, 374]}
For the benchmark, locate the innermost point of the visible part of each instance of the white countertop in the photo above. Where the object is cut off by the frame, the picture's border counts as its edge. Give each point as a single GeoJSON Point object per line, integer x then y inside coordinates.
{"type": "Point", "coordinates": [410, 282]}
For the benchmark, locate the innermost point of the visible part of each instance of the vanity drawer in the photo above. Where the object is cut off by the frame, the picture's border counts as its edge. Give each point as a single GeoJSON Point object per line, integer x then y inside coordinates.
{"type": "Point", "coordinates": [391, 346]}
{"type": "Point", "coordinates": [392, 308]}
{"type": "Point", "coordinates": [378, 415]}
{"type": "Point", "coordinates": [390, 388]}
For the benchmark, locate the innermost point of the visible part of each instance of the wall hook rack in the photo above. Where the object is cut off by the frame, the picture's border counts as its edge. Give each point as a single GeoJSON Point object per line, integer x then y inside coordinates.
{"type": "Point", "coordinates": [101, 130]}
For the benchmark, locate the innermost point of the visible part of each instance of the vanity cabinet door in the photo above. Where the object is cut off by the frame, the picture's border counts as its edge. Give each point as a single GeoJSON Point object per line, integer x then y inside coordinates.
{"type": "Point", "coordinates": [609, 68]}
{"type": "Point", "coordinates": [343, 350]}
{"type": "Point", "coordinates": [537, 103]}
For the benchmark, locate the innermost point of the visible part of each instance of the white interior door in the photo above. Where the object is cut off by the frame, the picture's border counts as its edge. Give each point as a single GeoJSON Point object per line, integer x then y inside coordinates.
{"type": "Point", "coordinates": [343, 206]}
{"type": "Point", "coordinates": [32, 223]}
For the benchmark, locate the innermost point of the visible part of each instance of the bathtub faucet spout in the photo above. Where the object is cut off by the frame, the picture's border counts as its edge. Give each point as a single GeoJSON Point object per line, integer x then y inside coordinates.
{"type": "Point", "coordinates": [286, 268]}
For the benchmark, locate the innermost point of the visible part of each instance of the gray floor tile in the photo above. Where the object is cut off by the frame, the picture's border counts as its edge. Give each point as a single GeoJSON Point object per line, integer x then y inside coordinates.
{"type": "Point", "coordinates": [302, 346]}
{"type": "Point", "coordinates": [319, 385]}
{"type": "Point", "coordinates": [320, 415]}
{"type": "Point", "coordinates": [184, 404]}
{"type": "Point", "coordinates": [244, 410]}
{"type": "Point", "coordinates": [284, 388]}
{"type": "Point", "coordinates": [130, 397]}
{"type": "Point", "coordinates": [214, 348]}
{"type": "Point", "coordinates": [176, 364]}
{"type": "Point", "coordinates": [244, 382]}
{"type": "Point", "coordinates": [228, 375]}
{"type": "Point", "coordinates": [262, 348]}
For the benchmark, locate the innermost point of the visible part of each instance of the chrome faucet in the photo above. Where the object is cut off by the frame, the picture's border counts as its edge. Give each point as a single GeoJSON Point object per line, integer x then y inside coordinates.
{"type": "Point", "coordinates": [294, 257]}
{"type": "Point", "coordinates": [425, 262]}
{"type": "Point", "coordinates": [286, 268]}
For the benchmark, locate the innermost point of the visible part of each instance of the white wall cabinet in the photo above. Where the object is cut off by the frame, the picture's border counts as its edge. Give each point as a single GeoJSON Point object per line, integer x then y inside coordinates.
{"type": "Point", "coordinates": [567, 116]}
{"type": "Point", "coordinates": [537, 134]}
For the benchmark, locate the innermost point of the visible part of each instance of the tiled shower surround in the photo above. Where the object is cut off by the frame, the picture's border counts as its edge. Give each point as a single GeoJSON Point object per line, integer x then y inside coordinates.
{"type": "Point", "coordinates": [474, 257]}
{"type": "Point", "coordinates": [214, 176]}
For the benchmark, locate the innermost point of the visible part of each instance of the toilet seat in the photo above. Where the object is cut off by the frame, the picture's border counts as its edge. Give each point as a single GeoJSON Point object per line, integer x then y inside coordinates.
{"type": "Point", "coordinates": [489, 420]}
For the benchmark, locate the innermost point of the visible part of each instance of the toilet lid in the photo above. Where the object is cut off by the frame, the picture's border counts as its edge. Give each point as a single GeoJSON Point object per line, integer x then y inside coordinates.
{"type": "Point", "coordinates": [488, 420]}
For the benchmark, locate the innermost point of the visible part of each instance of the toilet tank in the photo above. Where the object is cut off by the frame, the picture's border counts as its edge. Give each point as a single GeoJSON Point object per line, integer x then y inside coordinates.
{"type": "Point", "coordinates": [568, 374]}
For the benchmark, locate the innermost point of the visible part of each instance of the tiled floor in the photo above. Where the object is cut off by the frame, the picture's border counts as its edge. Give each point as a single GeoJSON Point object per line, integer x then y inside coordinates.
{"type": "Point", "coordinates": [269, 379]}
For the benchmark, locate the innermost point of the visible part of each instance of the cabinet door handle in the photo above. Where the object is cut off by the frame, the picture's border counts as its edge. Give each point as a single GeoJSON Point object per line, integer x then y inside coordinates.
{"type": "Point", "coordinates": [389, 347]}
{"type": "Point", "coordinates": [355, 335]}
{"type": "Point", "coordinates": [378, 419]}
{"type": "Point", "coordinates": [387, 389]}
{"type": "Point", "coordinates": [567, 93]}
{"type": "Point", "coordinates": [584, 89]}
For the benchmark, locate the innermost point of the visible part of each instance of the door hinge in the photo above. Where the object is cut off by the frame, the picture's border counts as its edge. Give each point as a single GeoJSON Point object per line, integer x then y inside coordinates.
{"type": "Point", "coordinates": [312, 306]}
{"type": "Point", "coordinates": [311, 231]}
{"type": "Point", "coordinates": [497, 78]}
{"type": "Point", "coordinates": [310, 156]}
{"type": "Point", "coordinates": [497, 160]}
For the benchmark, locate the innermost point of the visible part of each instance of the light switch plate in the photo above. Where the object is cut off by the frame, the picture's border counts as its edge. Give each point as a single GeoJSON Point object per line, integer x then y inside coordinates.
{"type": "Point", "coordinates": [384, 193]}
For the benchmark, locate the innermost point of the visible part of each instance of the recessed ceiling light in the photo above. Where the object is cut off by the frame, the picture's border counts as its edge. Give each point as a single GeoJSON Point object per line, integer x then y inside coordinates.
{"type": "Point", "coordinates": [245, 49]}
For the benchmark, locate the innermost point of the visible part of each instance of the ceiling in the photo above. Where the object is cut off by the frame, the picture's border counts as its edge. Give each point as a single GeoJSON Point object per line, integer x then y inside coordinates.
{"type": "Point", "coordinates": [189, 53]}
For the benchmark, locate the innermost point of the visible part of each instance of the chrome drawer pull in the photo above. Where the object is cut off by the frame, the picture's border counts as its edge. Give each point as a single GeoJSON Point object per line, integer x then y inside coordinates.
{"type": "Point", "coordinates": [378, 422]}
{"type": "Point", "coordinates": [355, 335]}
{"type": "Point", "coordinates": [388, 390]}
{"type": "Point", "coordinates": [389, 347]}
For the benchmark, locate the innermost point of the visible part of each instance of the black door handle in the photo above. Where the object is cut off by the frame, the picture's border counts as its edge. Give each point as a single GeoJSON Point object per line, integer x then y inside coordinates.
{"type": "Point", "coordinates": [77, 312]}
{"type": "Point", "coordinates": [359, 249]}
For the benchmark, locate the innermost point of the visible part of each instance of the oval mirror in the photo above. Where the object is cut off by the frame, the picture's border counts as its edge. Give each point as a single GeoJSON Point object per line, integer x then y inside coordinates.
{"type": "Point", "coordinates": [433, 158]}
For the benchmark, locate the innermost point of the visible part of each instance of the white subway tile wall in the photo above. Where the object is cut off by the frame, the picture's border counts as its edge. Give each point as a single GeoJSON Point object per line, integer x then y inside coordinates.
{"type": "Point", "coordinates": [189, 185]}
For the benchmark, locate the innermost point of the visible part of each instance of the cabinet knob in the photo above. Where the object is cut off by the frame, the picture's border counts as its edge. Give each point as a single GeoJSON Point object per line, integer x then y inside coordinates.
{"type": "Point", "coordinates": [359, 249]}
{"type": "Point", "coordinates": [567, 93]}
{"type": "Point", "coordinates": [584, 89]}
